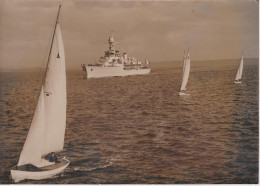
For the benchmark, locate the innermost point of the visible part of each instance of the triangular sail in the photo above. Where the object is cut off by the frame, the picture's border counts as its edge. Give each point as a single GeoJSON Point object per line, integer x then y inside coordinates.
{"type": "Point", "coordinates": [55, 97]}
{"type": "Point", "coordinates": [240, 69]}
{"type": "Point", "coordinates": [32, 149]}
{"type": "Point", "coordinates": [47, 129]}
{"type": "Point", "coordinates": [186, 72]}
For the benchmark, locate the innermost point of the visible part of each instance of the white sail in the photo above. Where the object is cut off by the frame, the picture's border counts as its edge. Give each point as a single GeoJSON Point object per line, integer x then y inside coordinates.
{"type": "Point", "coordinates": [47, 130]}
{"type": "Point", "coordinates": [32, 149]}
{"type": "Point", "coordinates": [186, 72]}
{"type": "Point", "coordinates": [240, 69]}
{"type": "Point", "coordinates": [55, 97]}
{"type": "Point", "coordinates": [184, 63]}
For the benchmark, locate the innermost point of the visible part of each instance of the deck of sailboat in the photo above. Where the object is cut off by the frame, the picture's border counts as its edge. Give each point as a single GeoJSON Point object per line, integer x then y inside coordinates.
{"type": "Point", "coordinates": [31, 168]}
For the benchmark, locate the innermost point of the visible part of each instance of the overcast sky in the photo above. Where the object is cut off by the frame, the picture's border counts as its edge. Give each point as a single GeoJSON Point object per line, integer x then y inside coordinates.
{"type": "Point", "coordinates": [154, 30]}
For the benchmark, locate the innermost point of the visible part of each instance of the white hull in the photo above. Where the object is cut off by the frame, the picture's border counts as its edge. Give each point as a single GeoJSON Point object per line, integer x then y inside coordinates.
{"type": "Point", "coordinates": [183, 94]}
{"type": "Point", "coordinates": [98, 72]}
{"type": "Point", "coordinates": [237, 82]}
{"type": "Point", "coordinates": [19, 175]}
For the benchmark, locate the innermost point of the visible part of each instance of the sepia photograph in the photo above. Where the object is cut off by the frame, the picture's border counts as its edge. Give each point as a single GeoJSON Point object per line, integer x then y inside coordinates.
{"type": "Point", "coordinates": [129, 92]}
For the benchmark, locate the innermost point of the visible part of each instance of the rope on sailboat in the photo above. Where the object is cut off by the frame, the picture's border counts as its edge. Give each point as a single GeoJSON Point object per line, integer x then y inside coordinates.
{"type": "Point", "coordinates": [43, 66]}
{"type": "Point", "coordinates": [53, 35]}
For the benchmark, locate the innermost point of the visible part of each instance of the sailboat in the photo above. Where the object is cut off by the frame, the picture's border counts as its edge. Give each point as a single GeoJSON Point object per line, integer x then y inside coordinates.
{"type": "Point", "coordinates": [240, 71]}
{"type": "Point", "coordinates": [185, 74]}
{"type": "Point", "coordinates": [47, 131]}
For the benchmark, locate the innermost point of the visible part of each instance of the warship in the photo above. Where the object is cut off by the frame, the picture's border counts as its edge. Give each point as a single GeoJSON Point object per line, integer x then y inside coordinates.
{"type": "Point", "coordinates": [113, 64]}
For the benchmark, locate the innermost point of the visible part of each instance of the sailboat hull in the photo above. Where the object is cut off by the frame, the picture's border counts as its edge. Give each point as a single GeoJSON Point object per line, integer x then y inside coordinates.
{"type": "Point", "coordinates": [42, 173]}
{"type": "Point", "coordinates": [237, 82]}
{"type": "Point", "coordinates": [183, 94]}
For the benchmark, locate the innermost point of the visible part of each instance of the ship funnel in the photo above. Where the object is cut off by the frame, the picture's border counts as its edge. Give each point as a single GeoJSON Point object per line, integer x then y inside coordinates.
{"type": "Point", "coordinates": [125, 55]}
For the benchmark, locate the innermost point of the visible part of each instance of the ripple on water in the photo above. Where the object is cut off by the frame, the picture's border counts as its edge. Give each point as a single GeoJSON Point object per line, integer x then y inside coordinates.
{"type": "Point", "coordinates": [138, 130]}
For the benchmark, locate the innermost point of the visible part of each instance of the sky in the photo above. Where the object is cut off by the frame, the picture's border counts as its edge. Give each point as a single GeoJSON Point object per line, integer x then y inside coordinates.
{"type": "Point", "coordinates": [153, 30]}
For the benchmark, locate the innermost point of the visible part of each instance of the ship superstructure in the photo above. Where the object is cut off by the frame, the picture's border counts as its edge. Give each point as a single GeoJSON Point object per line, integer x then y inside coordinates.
{"type": "Point", "coordinates": [113, 64]}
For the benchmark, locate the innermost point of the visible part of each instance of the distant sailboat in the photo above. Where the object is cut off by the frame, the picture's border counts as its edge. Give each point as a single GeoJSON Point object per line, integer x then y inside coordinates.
{"type": "Point", "coordinates": [238, 78]}
{"type": "Point", "coordinates": [46, 134]}
{"type": "Point", "coordinates": [185, 74]}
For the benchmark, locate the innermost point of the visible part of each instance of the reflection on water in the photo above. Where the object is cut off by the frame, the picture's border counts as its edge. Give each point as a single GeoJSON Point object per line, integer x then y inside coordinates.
{"type": "Point", "coordinates": [138, 130]}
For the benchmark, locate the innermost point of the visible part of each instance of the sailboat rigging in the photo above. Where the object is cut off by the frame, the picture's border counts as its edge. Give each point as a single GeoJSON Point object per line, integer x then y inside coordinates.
{"type": "Point", "coordinates": [47, 131]}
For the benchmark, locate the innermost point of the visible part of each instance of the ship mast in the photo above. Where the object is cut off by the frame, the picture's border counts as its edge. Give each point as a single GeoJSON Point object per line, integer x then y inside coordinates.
{"type": "Point", "coordinates": [111, 43]}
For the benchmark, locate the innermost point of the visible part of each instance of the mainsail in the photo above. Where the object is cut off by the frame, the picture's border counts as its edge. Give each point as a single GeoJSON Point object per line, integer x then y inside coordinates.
{"type": "Point", "coordinates": [184, 63]}
{"type": "Point", "coordinates": [55, 97]}
{"type": "Point", "coordinates": [47, 130]}
{"type": "Point", "coordinates": [186, 72]}
{"type": "Point", "coordinates": [240, 69]}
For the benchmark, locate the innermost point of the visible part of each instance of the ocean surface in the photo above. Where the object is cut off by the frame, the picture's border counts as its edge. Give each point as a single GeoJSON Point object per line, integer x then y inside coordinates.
{"type": "Point", "coordinates": [137, 129]}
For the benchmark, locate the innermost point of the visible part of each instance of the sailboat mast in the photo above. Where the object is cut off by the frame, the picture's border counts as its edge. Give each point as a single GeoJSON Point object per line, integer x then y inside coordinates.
{"type": "Point", "coordinates": [51, 45]}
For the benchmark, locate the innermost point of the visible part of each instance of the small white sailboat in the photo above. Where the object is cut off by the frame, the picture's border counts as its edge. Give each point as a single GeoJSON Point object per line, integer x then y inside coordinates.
{"type": "Point", "coordinates": [238, 78]}
{"type": "Point", "coordinates": [47, 131]}
{"type": "Point", "coordinates": [185, 74]}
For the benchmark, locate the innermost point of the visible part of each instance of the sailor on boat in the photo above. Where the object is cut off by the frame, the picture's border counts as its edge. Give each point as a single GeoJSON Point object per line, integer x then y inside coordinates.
{"type": "Point", "coordinates": [52, 157]}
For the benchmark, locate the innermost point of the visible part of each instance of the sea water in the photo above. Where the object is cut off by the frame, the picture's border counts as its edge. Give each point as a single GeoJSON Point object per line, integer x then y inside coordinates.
{"type": "Point", "coordinates": [137, 129]}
